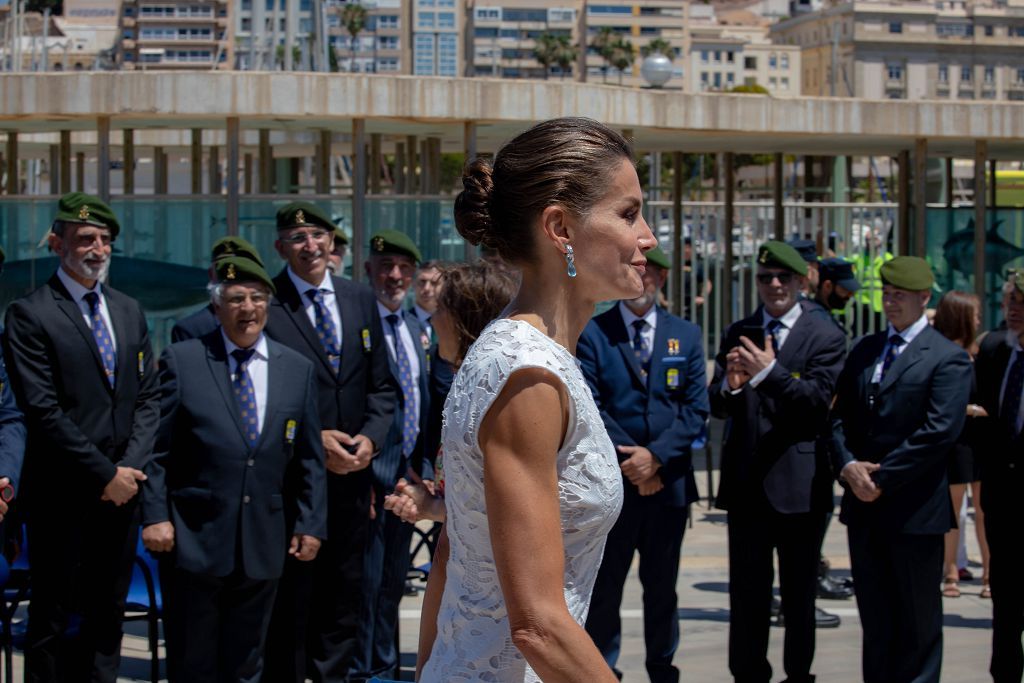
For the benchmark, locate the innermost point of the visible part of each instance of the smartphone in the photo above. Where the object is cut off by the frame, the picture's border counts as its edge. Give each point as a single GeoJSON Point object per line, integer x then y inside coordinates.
{"type": "Point", "coordinates": [754, 333]}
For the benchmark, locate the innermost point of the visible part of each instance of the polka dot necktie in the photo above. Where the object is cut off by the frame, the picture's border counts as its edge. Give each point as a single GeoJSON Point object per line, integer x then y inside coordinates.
{"type": "Point", "coordinates": [326, 331]}
{"type": "Point", "coordinates": [1009, 408]}
{"type": "Point", "coordinates": [245, 394]}
{"type": "Point", "coordinates": [895, 342]}
{"type": "Point", "coordinates": [411, 411]}
{"type": "Point", "coordinates": [773, 328]}
{"type": "Point", "coordinates": [640, 348]}
{"type": "Point", "coordinates": [102, 336]}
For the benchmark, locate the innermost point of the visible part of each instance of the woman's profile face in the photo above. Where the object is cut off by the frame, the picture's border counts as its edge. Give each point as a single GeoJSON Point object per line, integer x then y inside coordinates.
{"type": "Point", "coordinates": [614, 238]}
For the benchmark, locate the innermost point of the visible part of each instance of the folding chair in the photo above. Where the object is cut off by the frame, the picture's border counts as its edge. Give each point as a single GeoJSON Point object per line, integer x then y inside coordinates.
{"type": "Point", "coordinates": [146, 604]}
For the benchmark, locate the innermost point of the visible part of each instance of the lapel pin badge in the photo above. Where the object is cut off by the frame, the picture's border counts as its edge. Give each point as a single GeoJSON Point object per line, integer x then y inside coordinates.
{"type": "Point", "coordinates": [673, 347]}
{"type": "Point", "coordinates": [142, 364]}
{"type": "Point", "coordinates": [289, 431]}
{"type": "Point", "coordinates": [672, 378]}
{"type": "Point", "coordinates": [367, 346]}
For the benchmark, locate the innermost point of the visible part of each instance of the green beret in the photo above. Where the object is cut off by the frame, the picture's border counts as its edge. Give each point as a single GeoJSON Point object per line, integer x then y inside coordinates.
{"type": "Point", "coordinates": [303, 215]}
{"type": "Point", "coordinates": [657, 257]}
{"type": "Point", "coordinates": [1014, 276]}
{"type": "Point", "coordinates": [78, 207]}
{"type": "Point", "coordinates": [907, 272]}
{"type": "Point", "coordinates": [781, 255]}
{"type": "Point", "coordinates": [235, 246]}
{"type": "Point", "coordinates": [235, 269]}
{"type": "Point", "coordinates": [340, 236]}
{"type": "Point", "coordinates": [394, 242]}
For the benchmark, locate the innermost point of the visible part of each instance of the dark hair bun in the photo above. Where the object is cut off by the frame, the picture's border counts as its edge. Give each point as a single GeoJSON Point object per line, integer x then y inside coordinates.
{"type": "Point", "coordinates": [473, 205]}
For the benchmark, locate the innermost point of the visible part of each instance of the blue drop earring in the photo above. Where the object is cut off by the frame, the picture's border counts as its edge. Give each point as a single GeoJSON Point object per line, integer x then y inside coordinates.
{"type": "Point", "coordinates": [570, 261]}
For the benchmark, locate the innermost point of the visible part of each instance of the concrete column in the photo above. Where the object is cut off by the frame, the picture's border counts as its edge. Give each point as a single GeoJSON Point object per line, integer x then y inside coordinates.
{"type": "Point", "coordinates": [949, 182]}
{"type": "Point", "coordinates": [12, 162]}
{"type": "Point", "coordinates": [128, 159]}
{"type": "Point", "coordinates": [266, 163]}
{"type": "Point", "coordinates": [103, 157]}
{"type": "Point", "coordinates": [903, 212]}
{"type": "Point", "coordinates": [992, 183]}
{"type": "Point", "coordinates": [196, 164]}
{"type": "Point", "coordinates": [920, 195]}
{"type": "Point", "coordinates": [54, 169]}
{"type": "Point", "coordinates": [159, 171]}
{"type": "Point", "coordinates": [730, 185]}
{"type": "Point", "coordinates": [374, 164]}
{"type": "Point", "coordinates": [400, 171]}
{"type": "Point", "coordinates": [232, 174]}
{"type": "Point", "coordinates": [426, 168]}
{"type": "Point", "coordinates": [780, 182]}
{"type": "Point", "coordinates": [358, 196]}
{"type": "Point", "coordinates": [80, 171]}
{"type": "Point", "coordinates": [678, 286]}
{"type": "Point", "coordinates": [214, 167]}
{"type": "Point", "coordinates": [469, 252]}
{"type": "Point", "coordinates": [323, 163]}
{"type": "Point", "coordinates": [980, 219]}
{"type": "Point", "coordinates": [247, 175]}
{"type": "Point", "coordinates": [65, 161]}
{"type": "Point", "coordinates": [411, 184]}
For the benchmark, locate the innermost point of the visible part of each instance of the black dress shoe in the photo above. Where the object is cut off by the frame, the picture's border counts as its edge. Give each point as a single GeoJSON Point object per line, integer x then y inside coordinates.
{"type": "Point", "coordinates": [823, 619]}
{"type": "Point", "coordinates": [831, 589]}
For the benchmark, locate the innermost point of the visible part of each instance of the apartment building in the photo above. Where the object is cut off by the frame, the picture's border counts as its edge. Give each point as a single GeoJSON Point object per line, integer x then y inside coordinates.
{"type": "Point", "coordinates": [736, 49]}
{"type": "Point", "coordinates": [383, 46]}
{"type": "Point", "coordinates": [640, 22]}
{"type": "Point", "coordinates": [176, 34]}
{"type": "Point", "coordinates": [503, 36]}
{"type": "Point", "coordinates": [911, 50]}
{"type": "Point", "coordinates": [437, 31]}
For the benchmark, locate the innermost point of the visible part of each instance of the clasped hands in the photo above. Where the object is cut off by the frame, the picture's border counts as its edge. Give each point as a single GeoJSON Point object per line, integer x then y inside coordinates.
{"type": "Point", "coordinates": [338, 458]}
{"type": "Point", "coordinates": [641, 468]}
{"type": "Point", "coordinates": [415, 499]}
{"type": "Point", "coordinates": [857, 475]}
{"type": "Point", "coordinates": [746, 360]}
{"type": "Point", "coordinates": [159, 538]}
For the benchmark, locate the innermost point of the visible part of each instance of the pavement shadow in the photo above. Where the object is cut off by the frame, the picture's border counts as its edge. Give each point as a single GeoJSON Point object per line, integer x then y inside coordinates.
{"type": "Point", "coordinates": [718, 614]}
{"type": "Point", "coordinates": [712, 586]}
{"type": "Point", "coordinates": [959, 621]}
{"type": "Point", "coordinates": [717, 518]}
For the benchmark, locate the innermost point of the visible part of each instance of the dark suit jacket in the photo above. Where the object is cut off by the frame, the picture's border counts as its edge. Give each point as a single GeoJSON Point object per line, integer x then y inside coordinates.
{"type": "Point", "coordinates": [1001, 451]}
{"type": "Point", "coordinates": [772, 429]}
{"type": "Point", "coordinates": [391, 463]}
{"type": "Point", "coordinates": [228, 500]}
{"type": "Point", "coordinates": [361, 397]}
{"type": "Point", "coordinates": [195, 325]}
{"type": "Point", "coordinates": [442, 374]}
{"type": "Point", "coordinates": [12, 431]}
{"type": "Point", "coordinates": [916, 416]}
{"type": "Point", "coordinates": [79, 428]}
{"type": "Point", "coordinates": [664, 413]}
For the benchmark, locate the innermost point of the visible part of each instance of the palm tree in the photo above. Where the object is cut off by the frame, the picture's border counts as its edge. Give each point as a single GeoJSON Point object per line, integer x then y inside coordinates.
{"type": "Point", "coordinates": [602, 44]}
{"type": "Point", "coordinates": [353, 16]}
{"type": "Point", "coordinates": [565, 54]}
{"type": "Point", "coordinates": [544, 51]}
{"type": "Point", "coordinates": [658, 46]}
{"type": "Point", "coordinates": [621, 56]}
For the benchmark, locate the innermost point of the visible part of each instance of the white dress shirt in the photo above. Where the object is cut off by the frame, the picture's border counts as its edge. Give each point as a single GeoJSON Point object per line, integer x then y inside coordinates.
{"type": "Point", "coordinates": [257, 367]}
{"type": "Point", "coordinates": [1014, 342]}
{"type": "Point", "coordinates": [788, 319]}
{"type": "Point", "coordinates": [407, 341]}
{"type": "Point", "coordinates": [424, 316]}
{"type": "Point", "coordinates": [78, 292]}
{"type": "Point", "coordinates": [330, 300]}
{"type": "Point", "coordinates": [908, 335]}
{"type": "Point", "coordinates": [650, 317]}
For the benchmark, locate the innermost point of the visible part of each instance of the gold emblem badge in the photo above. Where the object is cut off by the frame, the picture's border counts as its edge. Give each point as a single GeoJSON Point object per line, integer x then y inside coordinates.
{"type": "Point", "coordinates": [231, 271]}
{"type": "Point", "coordinates": [83, 213]}
{"type": "Point", "coordinates": [367, 345]}
{"type": "Point", "coordinates": [673, 347]}
{"type": "Point", "coordinates": [142, 364]}
{"type": "Point", "coordinates": [289, 431]}
{"type": "Point", "coordinates": [764, 257]}
{"type": "Point", "coordinates": [672, 378]}
{"type": "Point", "coordinates": [300, 217]}
{"type": "Point", "coordinates": [378, 243]}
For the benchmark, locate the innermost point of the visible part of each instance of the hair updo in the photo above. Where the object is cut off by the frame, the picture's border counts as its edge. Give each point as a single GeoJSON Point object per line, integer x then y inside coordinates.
{"type": "Point", "coordinates": [567, 161]}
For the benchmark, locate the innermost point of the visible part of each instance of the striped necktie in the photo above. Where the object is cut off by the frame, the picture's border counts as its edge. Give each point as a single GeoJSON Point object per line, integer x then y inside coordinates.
{"type": "Point", "coordinates": [410, 410]}
{"type": "Point", "coordinates": [245, 394]}
{"type": "Point", "coordinates": [101, 334]}
{"type": "Point", "coordinates": [326, 331]}
{"type": "Point", "coordinates": [640, 348]}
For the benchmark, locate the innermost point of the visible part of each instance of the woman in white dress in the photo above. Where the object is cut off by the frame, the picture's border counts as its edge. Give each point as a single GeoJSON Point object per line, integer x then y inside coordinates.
{"type": "Point", "coordinates": [533, 483]}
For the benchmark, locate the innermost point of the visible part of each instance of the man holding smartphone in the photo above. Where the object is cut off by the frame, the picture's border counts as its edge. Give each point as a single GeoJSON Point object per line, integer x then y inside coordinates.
{"type": "Point", "coordinates": [774, 378]}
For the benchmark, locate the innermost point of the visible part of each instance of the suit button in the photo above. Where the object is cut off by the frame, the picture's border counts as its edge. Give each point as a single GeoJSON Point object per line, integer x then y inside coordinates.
{"type": "Point", "coordinates": [1013, 465]}
{"type": "Point", "coordinates": [250, 462]}
{"type": "Point", "coordinates": [246, 499]}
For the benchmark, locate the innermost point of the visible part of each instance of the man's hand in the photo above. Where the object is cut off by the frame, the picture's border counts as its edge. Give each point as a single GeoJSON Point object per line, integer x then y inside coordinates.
{"type": "Point", "coordinates": [752, 359]}
{"type": "Point", "coordinates": [640, 464]}
{"type": "Point", "coordinates": [4, 483]}
{"type": "Point", "coordinates": [650, 486]}
{"type": "Point", "coordinates": [339, 459]}
{"type": "Point", "coordinates": [304, 547]}
{"type": "Point", "coordinates": [735, 375]}
{"type": "Point", "coordinates": [407, 500]}
{"type": "Point", "coordinates": [159, 537]}
{"type": "Point", "coordinates": [123, 486]}
{"type": "Point", "coordinates": [857, 475]}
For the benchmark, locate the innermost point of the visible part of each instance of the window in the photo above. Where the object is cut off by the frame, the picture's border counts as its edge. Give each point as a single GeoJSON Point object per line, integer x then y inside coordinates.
{"type": "Point", "coordinates": [943, 73]}
{"type": "Point", "coordinates": [785, 61]}
{"type": "Point", "coordinates": [965, 74]}
{"type": "Point", "coordinates": [424, 3]}
{"type": "Point", "coordinates": [509, 33]}
{"type": "Point", "coordinates": [957, 30]}
{"type": "Point", "coordinates": [730, 57]}
{"type": "Point", "coordinates": [1020, 75]}
{"type": "Point", "coordinates": [423, 55]}
{"type": "Point", "coordinates": [561, 15]}
{"type": "Point", "coordinates": [773, 61]}
{"type": "Point", "coordinates": [609, 9]}
{"type": "Point", "coordinates": [387, 22]}
{"type": "Point", "coordinates": [895, 27]}
{"type": "Point", "coordinates": [446, 19]}
{"type": "Point", "coordinates": [990, 75]}
{"type": "Point", "coordinates": [485, 32]}
{"type": "Point", "coordinates": [425, 20]}
{"type": "Point", "coordinates": [773, 83]}
{"type": "Point", "coordinates": [750, 63]}
{"type": "Point", "coordinates": [446, 3]}
{"type": "Point", "coordinates": [730, 79]}
{"type": "Point", "coordinates": [785, 83]}
{"type": "Point", "coordinates": [704, 77]}
{"type": "Point", "coordinates": [1017, 31]}
{"type": "Point", "coordinates": [703, 56]}
{"type": "Point", "coordinates": [246, 24]}
{"type": "Point", "coordinates": [717, 79]}
{"type": "Point", "coordinates": [989, 30]}
{"type": "Point", "coordinates": [388, 43]}
{"type": "Point", "coordinates": [537, 16]}
{"type": "Point", "coordinates": [718, 56]}
{"type": "Point", "coordinates": [895, 72]}
{"type": "Point", "coordinates": [487, 13]}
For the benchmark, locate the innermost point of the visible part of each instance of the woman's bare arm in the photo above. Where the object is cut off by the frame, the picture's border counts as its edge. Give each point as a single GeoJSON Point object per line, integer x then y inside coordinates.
{"type": "Point", "coordinates": [432, 601]}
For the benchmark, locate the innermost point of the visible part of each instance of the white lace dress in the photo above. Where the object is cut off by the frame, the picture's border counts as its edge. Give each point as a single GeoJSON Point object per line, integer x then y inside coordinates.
{"type": "Point", "coordinates": [473, 638]}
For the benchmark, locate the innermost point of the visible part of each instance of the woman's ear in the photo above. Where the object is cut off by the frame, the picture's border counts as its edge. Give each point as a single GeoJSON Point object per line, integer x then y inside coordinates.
{"type": "Point", "coordinates": [557, 226]}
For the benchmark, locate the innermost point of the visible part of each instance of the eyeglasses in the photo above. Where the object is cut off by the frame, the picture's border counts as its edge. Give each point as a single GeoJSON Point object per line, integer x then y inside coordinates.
{"type": "Point", "coordinates": [766, 278]}
{"type": "Point", "coordinates": [301, 237]}
{"type": "Point", "coordinates": [238, 300]}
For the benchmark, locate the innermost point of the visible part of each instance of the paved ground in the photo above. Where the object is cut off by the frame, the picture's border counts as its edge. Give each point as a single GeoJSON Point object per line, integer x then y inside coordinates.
{"type": "Point", "coordinates": [703, 613]}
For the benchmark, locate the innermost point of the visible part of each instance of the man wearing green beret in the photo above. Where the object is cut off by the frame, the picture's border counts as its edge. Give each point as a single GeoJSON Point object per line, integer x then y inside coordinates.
{"type": "Point", "coordinates": [82, 367]}
{"type": "Point", "coordinates": [335, 324]}
{"type": "Point", "coordinates": [390, 268]}
{"type": "Point", "coordinates": [646, 370]}
{"type": "Point", "coordinates": [239, 427]}
{"type": "Point", "coordinates": [204, 321]}
{"type": "Point", "coordinates": [900, 405]}
{"type": "Point", "coordinates": [774, 378]}
{"type": "Point", "coordinates": [336, 259]}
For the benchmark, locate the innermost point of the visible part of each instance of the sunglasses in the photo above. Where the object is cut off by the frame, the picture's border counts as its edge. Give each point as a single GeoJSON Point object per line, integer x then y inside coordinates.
{"type": "Point", "coordinates": [766, 278]}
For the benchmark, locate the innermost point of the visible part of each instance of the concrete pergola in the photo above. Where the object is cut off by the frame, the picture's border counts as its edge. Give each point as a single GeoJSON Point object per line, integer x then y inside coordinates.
{"type": "Point", "coordinates": [393, 114]}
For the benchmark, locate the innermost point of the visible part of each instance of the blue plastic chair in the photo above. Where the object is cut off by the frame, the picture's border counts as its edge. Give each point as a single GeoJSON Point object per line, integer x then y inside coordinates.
{"type": "Point", "coordinates": [146, 603]}
{"type": "Point", "coordinates": [14, 584]}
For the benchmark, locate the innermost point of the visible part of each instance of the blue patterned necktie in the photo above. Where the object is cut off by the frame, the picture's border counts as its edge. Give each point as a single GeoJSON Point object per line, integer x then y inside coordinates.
{"type": "Point", "coordinates": [773, 327]}
{"type": "Point", "coordinates": [411, 411]}
{"type": "Point", "coordinates": [326, 331]}
{"type": "Point", "coordinates": [640, 348]}
{"type": "Point", "coordinates": [895, 342]}
{"type": "Point", "coordinates": [1009, 407]}
{"type": "Point", "coordinates": [245, 394]}
{"type": "Point", "coordinates": [101, 334]}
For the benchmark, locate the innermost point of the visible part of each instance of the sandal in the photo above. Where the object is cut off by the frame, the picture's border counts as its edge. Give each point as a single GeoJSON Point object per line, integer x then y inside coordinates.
{"type": "Point", "coordinates": [950, 589]}
{"type": "Point", "coordinates": [986, 590]}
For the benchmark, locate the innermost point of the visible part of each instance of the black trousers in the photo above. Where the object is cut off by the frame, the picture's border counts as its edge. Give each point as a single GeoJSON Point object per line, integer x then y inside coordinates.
{"type": "Point", "coordinates": [314, 627]}
{"type": "Point", "coordinates": [655, 531]}
{"type": "Point", "coordinates": [81, 567]}
{"type": "Point", "coordinates": [897, 577]}
{"type": "Point", "coordinates": [1003, 522]}
{"type": "Point", "coordinates": [219, 627]}
{"type": "Point", "coordinates": [756, 533]}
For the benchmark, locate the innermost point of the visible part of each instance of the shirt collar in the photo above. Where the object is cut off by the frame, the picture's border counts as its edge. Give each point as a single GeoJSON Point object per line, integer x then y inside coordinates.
{"type": "Point", "coordinates": [385, 312]}
{"type": "Point", "coordinates": [788, 318]}
{"type": "Point", "coordinates": [423, 314]}
{"type": "Point", "coordinates": [260, 346]}
{"type": "Point", "coordinates": [911, 332]}
{"type": "Point", "coordinates": [75, 288]}
{"type": "Point", "coordinates": [301, 286]}
{"type": "Point", "coordinates": [629, 317]}
{"type": "Point", "coordinates": [1013, 340]}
